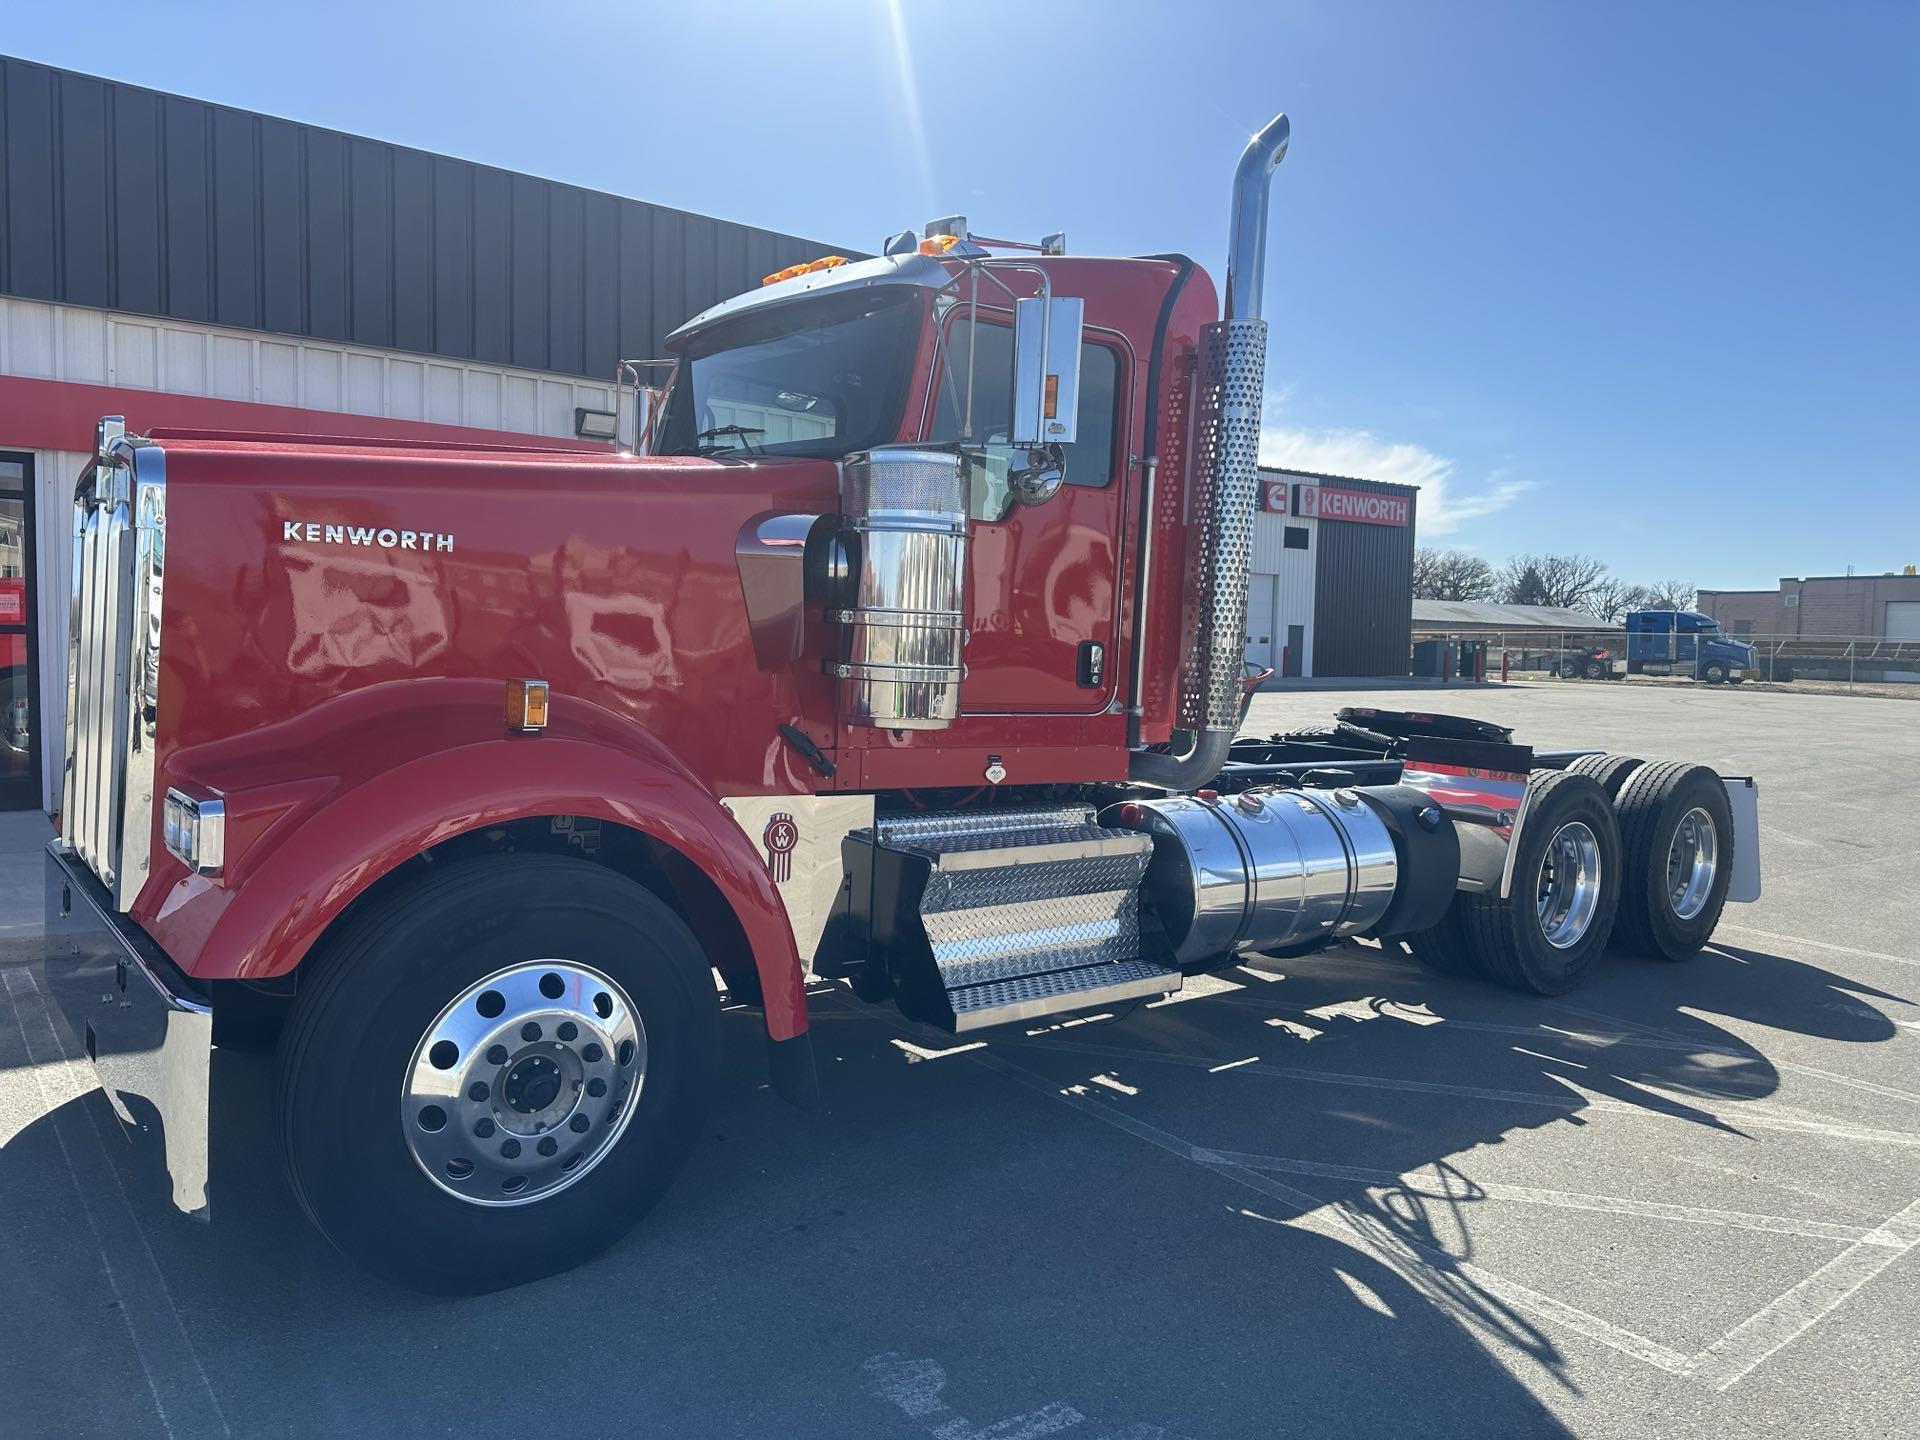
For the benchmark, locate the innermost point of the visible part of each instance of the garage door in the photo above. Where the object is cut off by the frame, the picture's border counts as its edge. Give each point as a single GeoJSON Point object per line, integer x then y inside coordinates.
{"type": "Point", "coordinates": [1903, 620]}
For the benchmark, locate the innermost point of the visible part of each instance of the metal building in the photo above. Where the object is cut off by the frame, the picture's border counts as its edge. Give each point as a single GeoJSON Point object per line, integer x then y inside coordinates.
{"type": "Point", "coordinates": [1331, 585]}
{"type": "Point", "coordinates": [189, 264]}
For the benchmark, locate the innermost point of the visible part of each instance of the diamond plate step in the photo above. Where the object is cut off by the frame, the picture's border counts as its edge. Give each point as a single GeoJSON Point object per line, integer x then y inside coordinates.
{"type": "Point", "coordinates": [1001, 915]}
{"type": "Point", "coordinates": [1028, 997]}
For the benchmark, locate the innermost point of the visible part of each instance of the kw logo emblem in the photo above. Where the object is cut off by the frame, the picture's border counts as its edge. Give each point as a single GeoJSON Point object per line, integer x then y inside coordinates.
{"type": "Point", "coordinates": [780, 838]}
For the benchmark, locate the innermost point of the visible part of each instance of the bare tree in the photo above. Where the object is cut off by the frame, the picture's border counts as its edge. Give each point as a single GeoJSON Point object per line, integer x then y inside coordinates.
{"type": "Point", "coordinates": [1612, 599]}
{"type": "Point", "coordinates": [1452, 575]}
{"type": "Point", "coordinates": [1670, 595]}
{"type": "Point", "coordinates": [1566, 581]}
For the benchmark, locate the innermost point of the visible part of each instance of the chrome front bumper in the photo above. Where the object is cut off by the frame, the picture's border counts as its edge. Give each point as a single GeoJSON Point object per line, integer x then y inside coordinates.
{"type": "Point", "coordinates": [139, 1019]}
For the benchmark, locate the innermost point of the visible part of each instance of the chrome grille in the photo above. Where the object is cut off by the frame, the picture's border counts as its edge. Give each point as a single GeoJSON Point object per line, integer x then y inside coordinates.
{"type": "Point", "coordinates": [119, 522]}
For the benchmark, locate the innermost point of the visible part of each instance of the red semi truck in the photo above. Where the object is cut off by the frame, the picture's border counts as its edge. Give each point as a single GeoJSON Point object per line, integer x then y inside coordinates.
{"type": "Point", "coordinates": [905, 651]}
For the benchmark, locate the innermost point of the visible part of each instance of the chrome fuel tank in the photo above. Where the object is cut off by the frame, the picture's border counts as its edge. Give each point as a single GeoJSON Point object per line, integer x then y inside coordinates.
{"type": "Point", "coordinates": [1263, 870]}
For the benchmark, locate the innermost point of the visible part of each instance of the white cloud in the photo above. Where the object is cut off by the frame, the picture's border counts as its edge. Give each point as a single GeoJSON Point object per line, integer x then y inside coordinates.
{"type": "Point", "coordinates": [1361, 454]}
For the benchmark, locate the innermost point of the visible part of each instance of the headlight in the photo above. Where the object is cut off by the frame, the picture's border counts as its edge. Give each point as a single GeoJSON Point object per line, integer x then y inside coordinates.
{"type": "Point", "coordinates": [195, 831]}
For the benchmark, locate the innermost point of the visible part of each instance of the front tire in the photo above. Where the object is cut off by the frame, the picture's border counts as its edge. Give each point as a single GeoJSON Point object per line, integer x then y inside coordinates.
{"type": "Point", "coordinates": [1715, 673]}
{"type": "Point", "coordinates": [1595, 670]}
{"type": "Point", "coordinates": [445, 1152]}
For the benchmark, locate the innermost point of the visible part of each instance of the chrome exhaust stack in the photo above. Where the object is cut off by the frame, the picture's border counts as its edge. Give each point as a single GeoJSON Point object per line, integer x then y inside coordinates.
{"type": "Point", "coordinates": [1233, 359]}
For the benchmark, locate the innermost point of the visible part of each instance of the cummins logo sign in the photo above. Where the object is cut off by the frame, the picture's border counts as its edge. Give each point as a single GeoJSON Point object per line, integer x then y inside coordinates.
{"type": "Point", "coordinates": [313, 532]}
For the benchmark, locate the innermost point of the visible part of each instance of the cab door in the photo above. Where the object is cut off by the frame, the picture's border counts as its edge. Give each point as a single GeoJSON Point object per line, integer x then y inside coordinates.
{"type": "Point", "coordinates": [1043, 579]}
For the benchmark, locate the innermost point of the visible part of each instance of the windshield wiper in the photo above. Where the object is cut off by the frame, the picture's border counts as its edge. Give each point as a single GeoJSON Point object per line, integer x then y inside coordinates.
{"type": "Point", "coordinates": [719, 430]}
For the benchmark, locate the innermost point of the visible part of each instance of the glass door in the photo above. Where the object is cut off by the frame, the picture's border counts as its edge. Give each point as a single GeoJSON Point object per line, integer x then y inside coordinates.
{"type": "Point", "coordinates": [19, 676]}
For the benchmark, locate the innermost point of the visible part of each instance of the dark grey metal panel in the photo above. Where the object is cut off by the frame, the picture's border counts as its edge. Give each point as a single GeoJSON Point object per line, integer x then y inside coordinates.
{"type": "Point", "coordinates": [139, 256]}
{"type": "Point", "coordinates": [113, 195]}
{"type": "Point", "coordinates": [370, 241]}
{"type": "Point", "coordinates": [529, 262]}
{"type": "Point", "coordinates": [85, 205]}
{"type": "Point", "coordinates": [186, 205]}
{"type": "Point", "coordinates": [327, 266]}
{"type": "Point", "coordinates": [1363, 591]}
{"type": "Point", "coordinates": [453, 229]}
{"type": "Point", "coordinates": [492, 266]}
{"type": "Point", "coordinates": [32, 263]}
{"type": "Point", "coordinates": [236, 215]}
{"type": "Point", "coordinates": [413, 232]}
{"type": "Point", "coordinates": [600, 286]}
{"type": "Point", "coordinates": [566, 280]}
{"type": "Point", "coordinates": [283, 227]}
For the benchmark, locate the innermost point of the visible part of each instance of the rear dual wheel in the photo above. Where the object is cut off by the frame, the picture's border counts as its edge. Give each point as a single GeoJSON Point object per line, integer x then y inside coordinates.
{"type": "Point", "coordinates": [491, 1075]}
{"type": "Point", "coordinates": [1555, 922]}
{"type": "Point", "coordinates": [1610, 771]}
{"type": "Point", "coordinates": [1676, 829]}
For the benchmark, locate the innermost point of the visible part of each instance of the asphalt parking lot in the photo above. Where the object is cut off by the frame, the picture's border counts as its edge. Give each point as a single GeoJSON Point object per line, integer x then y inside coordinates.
{"type": "Point", "coordinates": [1323, 1196]}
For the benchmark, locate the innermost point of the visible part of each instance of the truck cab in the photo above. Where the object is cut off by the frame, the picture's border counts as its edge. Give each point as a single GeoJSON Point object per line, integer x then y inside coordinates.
{"type": "Point", "coordinates": [1685, 642]}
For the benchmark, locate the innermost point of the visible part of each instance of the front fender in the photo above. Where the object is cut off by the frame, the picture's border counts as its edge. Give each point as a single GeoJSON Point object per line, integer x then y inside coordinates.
{"type": "Point", "coordinates": [306, 837]}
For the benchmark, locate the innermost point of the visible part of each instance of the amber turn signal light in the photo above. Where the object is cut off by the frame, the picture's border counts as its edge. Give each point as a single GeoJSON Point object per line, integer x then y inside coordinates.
{"type": "Point", "coordinates": [527, 705]}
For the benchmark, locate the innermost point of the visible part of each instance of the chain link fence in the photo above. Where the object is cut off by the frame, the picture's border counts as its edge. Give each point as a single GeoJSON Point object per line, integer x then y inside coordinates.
{"type": "Point", "coordinates": [1609, 654]}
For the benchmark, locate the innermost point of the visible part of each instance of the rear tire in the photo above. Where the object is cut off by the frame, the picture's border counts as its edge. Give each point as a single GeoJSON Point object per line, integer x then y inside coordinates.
{"type": "Point", "coordinates": [1670, 907]}
{"type": "Point", "coordinates": [1610, 772]}
{"type": "Point", "coordinates": [1444, 949]}
{"type": "Point", "coordinates": [1569, 669]}
{"type": "Point", "coordinates": [402, 971]}
{"type": "Point", "coordinates": [1566, 886]}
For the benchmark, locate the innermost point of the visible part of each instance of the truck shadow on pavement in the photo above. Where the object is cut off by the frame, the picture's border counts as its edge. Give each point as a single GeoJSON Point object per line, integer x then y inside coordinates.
{"type": "Point", "coordinates": [1265, 1209]}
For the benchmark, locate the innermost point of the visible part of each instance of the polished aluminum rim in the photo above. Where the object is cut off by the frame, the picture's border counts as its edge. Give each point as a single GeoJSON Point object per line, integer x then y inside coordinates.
{"type": "Point", "coordinates": [524, 1083]}
{"type": "Point", "coordinates": [1569, 884]}
{"type": "Point", "coordinates": [1692, 860]}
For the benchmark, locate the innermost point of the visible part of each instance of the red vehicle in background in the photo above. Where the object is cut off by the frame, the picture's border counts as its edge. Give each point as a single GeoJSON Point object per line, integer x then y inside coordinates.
{"type": "Point", "coordinates": [907, 652]}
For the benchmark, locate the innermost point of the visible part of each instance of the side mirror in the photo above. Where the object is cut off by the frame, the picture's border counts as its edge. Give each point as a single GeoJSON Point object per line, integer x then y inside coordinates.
{"type": "Point", "coordinates": [1040, 479]}
{"type": "Point", "coordinates": [1046, 371]}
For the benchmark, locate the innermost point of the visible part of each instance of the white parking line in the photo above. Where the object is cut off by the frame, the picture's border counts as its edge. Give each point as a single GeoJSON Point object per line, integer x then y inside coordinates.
{"type": "Point", "coordinates": [1819, 944]}
{"type": "Point", "coordinates": [1726, 1363]}
{"type": "Point", "coordinates": [1423, 1266]}
{"type": "Point", "coordinates": [1434, 1186]}
{"type": "Point", "coordinates": [1580, 1100]}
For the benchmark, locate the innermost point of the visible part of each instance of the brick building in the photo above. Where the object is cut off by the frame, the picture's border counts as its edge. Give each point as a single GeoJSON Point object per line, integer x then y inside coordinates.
{"type": "Point", "coordinates": [1881, 606]}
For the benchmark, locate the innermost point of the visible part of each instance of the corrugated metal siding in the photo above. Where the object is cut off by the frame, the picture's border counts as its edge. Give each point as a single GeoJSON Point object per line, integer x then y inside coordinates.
{"type": "Point", "coordinates": [96, 347]}
{"type": "Point", "coordinates": [1363, 591]}
{"type": "Point", "coordinates": [131, 200]}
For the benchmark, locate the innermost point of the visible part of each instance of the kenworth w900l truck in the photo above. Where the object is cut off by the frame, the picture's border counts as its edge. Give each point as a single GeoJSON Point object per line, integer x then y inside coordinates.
{"type": "Point", "coordinates": [906, 652]}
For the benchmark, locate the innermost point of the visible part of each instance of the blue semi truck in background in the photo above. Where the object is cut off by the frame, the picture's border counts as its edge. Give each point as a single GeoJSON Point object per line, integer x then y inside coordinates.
{"type": "Point", "coordinates": [1685, 642]}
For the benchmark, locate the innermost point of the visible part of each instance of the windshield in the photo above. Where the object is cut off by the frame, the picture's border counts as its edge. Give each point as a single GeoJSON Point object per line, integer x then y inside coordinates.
{"type": "Point", "coordinates": [822, 378]}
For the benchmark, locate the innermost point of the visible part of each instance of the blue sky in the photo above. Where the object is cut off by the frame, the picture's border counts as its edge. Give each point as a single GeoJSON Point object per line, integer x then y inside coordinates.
{"type": "Point", "coordinates": [1640, 279]}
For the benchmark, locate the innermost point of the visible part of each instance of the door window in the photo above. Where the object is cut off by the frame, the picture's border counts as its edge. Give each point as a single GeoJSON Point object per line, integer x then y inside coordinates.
{"type": "Point", "coordinates": [1089, 459]}
{"type": "Point", "coordinates": [19, 685]}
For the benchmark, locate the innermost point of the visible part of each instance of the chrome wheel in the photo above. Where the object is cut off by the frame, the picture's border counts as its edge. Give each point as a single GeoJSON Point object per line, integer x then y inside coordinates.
{"type": "Point", "coordinates": [524, 1083]}
{"type": "Point", "coordinates": [1693, 858]}
{"type": "Point", "coordinates": [1568, 891]}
